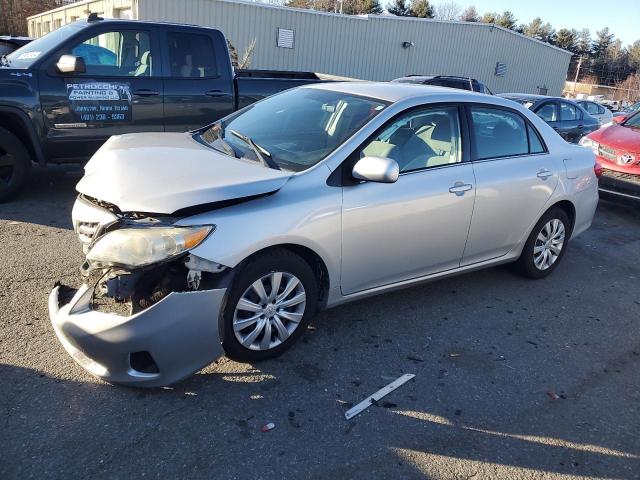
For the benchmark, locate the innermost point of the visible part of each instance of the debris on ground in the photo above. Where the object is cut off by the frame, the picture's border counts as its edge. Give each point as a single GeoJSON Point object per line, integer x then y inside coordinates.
{"type": "Point", "coordinates": [268, 426]}
{"type": "Point", "coordinates": [552, 395]}
{"type": "Point", "coordinates": [373, 399]}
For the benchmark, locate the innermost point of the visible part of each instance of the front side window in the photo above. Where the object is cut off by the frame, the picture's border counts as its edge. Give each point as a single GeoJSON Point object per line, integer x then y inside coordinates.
{"type": "Point", "coordinates": [591, 108]}
{"type": "Point", "coordinates": [498, 133]}
{"type": "Point", "coordinates": [191, 55]}
{"type": "Point", "coordinates": [568, 112]}
{"type": "Point", "coordinates": [124, 53]}
{"type": "Point", "coordinates": [295, 129]}
{"type": "Point", "coordinates": [547, 112]}
{"type": "Point", "coordinates": [418, 140]}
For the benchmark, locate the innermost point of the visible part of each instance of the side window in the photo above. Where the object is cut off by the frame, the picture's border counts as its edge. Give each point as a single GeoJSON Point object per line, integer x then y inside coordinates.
{"type": "Point", "coordinates": [568, 112]}
{"type": "Point", "coordinates": [547, 112]}
{"type": "Point", "coordinates": [191, 55]}
{"type": "Point", "coordinates": [498, 133]}
{"type": "Point", "coordinates": [124, 53]}
{"type": "Point", "coordinates": [592, 108]}
{"type": "Point", "coordinates": [535, 144]}
{"type": "Point", "coordinates": [601, 110]}
{"type": "Point", "coordinates": [420, 139]}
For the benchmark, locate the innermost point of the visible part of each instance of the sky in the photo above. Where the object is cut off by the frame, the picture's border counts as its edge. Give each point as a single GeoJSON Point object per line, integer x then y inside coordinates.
{"type": "Point", "coordinates": [621, 16]}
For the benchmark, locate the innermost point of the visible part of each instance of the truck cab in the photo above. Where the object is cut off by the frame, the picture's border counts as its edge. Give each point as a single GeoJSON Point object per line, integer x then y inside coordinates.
{"type": "Point", "coordinates": [63, 95]}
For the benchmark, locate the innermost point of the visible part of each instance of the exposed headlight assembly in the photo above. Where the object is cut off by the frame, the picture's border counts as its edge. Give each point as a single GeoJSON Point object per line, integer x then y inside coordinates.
{"type": "Point", "coordinates": [587, 142]}
{"type": "Point", "coordinates": [137, 247]}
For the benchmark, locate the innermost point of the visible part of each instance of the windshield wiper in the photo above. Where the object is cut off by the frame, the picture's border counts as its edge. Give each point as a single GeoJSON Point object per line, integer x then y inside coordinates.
{"type": "Point", "coordinates": [263, 155]}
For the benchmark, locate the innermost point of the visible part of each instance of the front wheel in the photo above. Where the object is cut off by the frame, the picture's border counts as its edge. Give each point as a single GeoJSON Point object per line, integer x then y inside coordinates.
{"type": "Point", "coordinates": [546, 245]}
{"type": "Point", "coordinates": [269, 305]}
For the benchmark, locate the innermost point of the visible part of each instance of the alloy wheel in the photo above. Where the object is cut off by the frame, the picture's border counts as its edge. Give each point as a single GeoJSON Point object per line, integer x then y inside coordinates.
{"type": "Point", "coordinates": [7, 166]}
{"type": "Point", "coordinates": [549, 244]}
{"type": "Point", "coordinates": [269, 311]}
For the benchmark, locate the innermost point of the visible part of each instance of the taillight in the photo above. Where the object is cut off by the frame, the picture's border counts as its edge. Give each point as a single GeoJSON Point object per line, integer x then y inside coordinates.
{"type": "Point", "coordinates": [597, 169]}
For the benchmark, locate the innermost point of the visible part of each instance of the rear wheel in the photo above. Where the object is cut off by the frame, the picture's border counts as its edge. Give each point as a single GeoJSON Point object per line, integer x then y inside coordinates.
{"type": "Point", "coordinates": [269, 305]}
{"type": "Point", "coordinates": [15, 164]}
{"type": "Point", "coordinates": [546, 245]}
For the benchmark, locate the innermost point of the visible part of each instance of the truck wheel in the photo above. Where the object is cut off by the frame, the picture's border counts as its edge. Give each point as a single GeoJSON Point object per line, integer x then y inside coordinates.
{"type": "Point", "coordinates": [268, 306]}
{"type": "Point", "coordinates": [15, 164]}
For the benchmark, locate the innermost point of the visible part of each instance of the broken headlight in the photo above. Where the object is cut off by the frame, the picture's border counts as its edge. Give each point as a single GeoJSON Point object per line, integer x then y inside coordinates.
{"type": "Point", "coordinates": [137, 247]}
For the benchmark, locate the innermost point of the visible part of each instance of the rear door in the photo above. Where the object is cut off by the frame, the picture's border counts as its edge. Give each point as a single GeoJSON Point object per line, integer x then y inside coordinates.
{"type": "Point", "coordinates": [120, 91]}
{"type": "Point", "coordinates": [515, 177]}
{"type": "Point", "coordinates": [571, 122]}
{"type": "Point", "coordinates": [199, 82]}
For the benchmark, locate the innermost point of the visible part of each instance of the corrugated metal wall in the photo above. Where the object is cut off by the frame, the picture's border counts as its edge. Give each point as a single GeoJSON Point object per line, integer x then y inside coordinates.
{"type": "Point", "coordinates": [370, 47]}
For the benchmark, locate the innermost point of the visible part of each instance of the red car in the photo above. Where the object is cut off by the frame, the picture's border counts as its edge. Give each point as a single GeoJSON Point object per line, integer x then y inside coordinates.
{"type": "Point", "coordinates": [617, 150]}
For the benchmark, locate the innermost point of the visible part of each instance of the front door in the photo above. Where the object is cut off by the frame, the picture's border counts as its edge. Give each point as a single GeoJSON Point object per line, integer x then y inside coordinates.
{"type": "Point", "coordinates": [198, 87]}
{"type": "Point", "coordinates": [515, 178]}
{"type": "Point", "coordinates": [418, 225]}
{"type": "Point", "coordinates": [120, 91]}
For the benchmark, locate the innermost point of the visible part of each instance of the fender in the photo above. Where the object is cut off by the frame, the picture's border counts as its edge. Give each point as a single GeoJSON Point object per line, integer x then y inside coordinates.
{"type": "Point", "coordinates": [28, 125]}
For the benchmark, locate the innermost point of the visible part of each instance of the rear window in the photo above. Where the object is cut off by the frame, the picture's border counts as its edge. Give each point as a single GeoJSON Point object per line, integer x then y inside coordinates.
{"type": "Point", "coordinates": [498, 133]}
{"type": "Point", "coordinates": [191, 55]}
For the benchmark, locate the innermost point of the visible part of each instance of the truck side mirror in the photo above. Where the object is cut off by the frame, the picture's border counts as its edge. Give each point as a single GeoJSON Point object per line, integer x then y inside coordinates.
{"type": "Point", "coordinates": [71, 64]}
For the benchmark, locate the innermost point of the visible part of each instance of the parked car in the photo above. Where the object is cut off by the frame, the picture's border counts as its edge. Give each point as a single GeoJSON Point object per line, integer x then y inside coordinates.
{"type": "Point", "coordinates": [617, 149]}
{"type": "Point", "coordinates": [462, 83]}
{"type": "Point", "coordinates": [63, 95]}
{"type": "Point", "coordinates": [630, 110]}
{"type": "Point", "coordinates": [597, 111]}
{"type": "Point", "coordinates": [566, 117]}
{"type": "Point", "coordinates": [9, 43]}
{"type": "Point", "coordinates": [230, 238]}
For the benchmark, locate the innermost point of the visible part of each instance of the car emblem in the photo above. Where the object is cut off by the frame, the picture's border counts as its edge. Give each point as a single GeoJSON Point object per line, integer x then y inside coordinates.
{"type": "Point", "coordinates": [625, 159]}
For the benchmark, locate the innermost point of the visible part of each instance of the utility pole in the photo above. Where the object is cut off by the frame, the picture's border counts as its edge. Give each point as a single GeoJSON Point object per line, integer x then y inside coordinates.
{"type": "Point", "coordinates": [575, 80]}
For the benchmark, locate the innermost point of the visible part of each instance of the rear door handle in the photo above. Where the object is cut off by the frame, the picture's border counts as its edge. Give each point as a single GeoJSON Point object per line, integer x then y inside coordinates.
{"type": "Point", "coordinates": [145, 92]}
{"type": "Point", "coordinates": [459, 188]}
{"type": "Point", "coordinates": [544, 174]}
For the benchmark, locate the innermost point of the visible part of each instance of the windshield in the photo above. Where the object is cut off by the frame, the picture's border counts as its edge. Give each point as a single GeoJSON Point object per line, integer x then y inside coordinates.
{"type": "Point", "coordinates": [295, 129]}
{"type": "Point", "coordinates": [633, 122]}
{"type": "Point", "coordinates": [25, 56]}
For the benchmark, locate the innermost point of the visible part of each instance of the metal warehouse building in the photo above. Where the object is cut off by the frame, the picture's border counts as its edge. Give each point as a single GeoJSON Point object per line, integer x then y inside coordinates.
{"type": "Point", "coordinates": [370, 47]}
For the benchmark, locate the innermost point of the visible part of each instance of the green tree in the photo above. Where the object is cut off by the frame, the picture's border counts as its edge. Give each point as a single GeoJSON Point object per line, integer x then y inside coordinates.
{"type": "Point", "coordinates": [421, 9]}
{"type": "Point", "coordinates": [602, 43]}
{"type": "Point", "coordinates": [539, 30]}
{"type": "Point", "coordinates": [399, 7]}
{"type": "Point", "coordinates": [567, 39]}
{"type": "Point", "coordinates": [470, 14]}
{"type": "Point", "coordinates": [634, 55]}
{"type": "Point", "coordinates": [507, 20]}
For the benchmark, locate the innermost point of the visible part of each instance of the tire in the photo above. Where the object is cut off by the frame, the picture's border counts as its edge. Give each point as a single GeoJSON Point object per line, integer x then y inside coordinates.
{"type": "Point", "coordinates": [553, 219]}
{"type": "Point", "coordinates": [240, 321]}
{"type": "Point", "coordinates": [15, 165]}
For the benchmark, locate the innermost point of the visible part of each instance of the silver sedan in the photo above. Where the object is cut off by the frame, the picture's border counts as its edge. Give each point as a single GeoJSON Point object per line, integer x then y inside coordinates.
{"type": "Point", "coordinates": [227, 240]}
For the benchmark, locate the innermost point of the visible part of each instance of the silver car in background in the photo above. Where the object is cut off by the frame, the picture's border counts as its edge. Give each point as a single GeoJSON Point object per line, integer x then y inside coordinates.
{"type": "Point", "coordinates": [229, 239]}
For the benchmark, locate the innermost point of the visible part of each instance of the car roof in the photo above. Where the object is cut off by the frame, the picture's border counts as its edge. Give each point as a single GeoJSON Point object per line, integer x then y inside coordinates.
{"type": "Point", "coordinates": [141, 22]}
{"type": "Point", "coordinates": [395, 92]}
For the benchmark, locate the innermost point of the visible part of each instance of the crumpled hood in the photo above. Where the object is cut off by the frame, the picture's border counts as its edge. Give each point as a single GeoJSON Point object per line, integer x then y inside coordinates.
{"type": "Point", "coordinates": [166, 172]}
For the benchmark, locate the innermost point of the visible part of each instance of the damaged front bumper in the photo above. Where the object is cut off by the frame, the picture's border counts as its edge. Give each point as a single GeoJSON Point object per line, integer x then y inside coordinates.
{"type": "Point", "coordinates": [157, 346]}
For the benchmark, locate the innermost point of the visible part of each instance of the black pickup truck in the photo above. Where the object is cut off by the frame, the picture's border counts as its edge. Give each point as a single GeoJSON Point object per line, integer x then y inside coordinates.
{"type": "Point", "coordinates": [63, 95]}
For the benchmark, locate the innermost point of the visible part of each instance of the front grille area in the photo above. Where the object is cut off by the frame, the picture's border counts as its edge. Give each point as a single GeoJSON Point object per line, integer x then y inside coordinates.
{"type": "Point", "coordinates": [607, 153]}
{"type": "Point", "coordinates": [86, 231]}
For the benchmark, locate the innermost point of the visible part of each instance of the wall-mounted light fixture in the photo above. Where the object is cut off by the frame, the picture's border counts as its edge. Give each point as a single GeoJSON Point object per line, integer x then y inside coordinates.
{"type": "Point", "coordinates": [407, 44]}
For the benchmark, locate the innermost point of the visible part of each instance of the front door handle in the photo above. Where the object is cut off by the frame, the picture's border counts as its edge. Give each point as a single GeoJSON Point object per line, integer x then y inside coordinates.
{"type": "Point", "coordinates": [145, 92]}
{"type": "Point", "coordinates": [544, 174]}
{"type": "Point", "coordinates": [214, 93]}
{"type": "Point", "coordinates": [460, 187]}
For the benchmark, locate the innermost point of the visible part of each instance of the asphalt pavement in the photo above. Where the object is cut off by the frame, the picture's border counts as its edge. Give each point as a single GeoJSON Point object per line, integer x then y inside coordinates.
{"type": "Point", "coordinates": [514, 378]}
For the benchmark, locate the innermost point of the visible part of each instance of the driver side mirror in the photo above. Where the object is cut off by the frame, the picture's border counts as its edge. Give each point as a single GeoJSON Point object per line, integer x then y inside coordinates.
{"type": "Point", "coordinates": [71, 64]}
{"type": "Point", "coordinates": [376, 169]}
